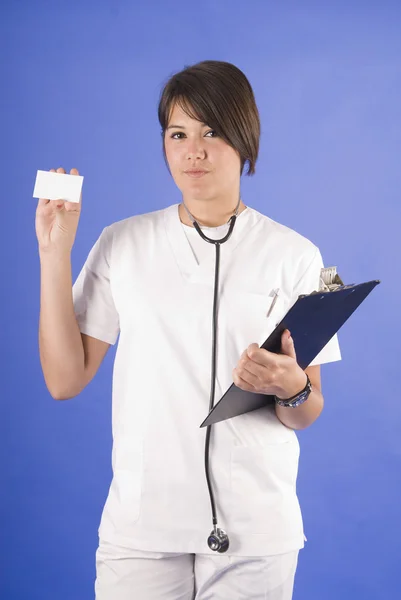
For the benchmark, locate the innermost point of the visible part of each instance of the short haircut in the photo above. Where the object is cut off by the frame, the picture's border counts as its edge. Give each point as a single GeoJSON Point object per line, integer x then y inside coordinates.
{"type": "Point", "coordinates": [219, 94]}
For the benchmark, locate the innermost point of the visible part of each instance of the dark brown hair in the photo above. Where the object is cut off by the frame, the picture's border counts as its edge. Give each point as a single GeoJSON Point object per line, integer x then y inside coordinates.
{"type": "Point", "coordinates": [219, 94]}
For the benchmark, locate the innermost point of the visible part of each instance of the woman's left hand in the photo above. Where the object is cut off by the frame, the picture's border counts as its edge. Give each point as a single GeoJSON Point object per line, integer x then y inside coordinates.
{"type": "Point", "coordinates": [265, 372]}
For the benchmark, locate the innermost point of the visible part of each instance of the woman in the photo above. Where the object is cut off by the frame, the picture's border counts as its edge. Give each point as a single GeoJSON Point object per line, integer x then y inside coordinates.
{"type": "Point", "coordinates": [150, 279]}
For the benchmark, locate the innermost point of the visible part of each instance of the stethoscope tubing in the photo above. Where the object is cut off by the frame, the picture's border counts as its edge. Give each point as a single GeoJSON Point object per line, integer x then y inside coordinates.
{"type": "Point", "coordinates": [217, 244]}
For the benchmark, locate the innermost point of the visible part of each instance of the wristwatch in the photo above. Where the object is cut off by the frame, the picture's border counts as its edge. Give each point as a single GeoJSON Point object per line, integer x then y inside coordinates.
{"type": "Point", "coordinates": [298, 398]}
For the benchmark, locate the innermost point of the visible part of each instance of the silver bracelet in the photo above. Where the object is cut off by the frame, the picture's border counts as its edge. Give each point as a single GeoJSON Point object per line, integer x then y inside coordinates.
{"type": "Point", "coordinates": [298, 399]}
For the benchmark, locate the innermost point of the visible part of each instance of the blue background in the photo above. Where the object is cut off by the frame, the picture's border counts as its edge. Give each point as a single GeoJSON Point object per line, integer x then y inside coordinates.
{"type": "Point", "coordinates": [80, 85]}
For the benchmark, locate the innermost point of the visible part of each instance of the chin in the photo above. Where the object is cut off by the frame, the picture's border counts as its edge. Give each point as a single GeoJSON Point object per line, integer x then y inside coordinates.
{"type": "Point", "coordinates": [195, 195]}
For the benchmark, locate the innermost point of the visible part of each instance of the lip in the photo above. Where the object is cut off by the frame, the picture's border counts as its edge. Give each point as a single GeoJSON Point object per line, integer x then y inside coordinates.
{"type": "Point", "coordinates": [196, 173]}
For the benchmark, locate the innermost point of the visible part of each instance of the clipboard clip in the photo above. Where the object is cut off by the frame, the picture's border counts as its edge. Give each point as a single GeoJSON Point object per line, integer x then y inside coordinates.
{"type": "Point", "coordinates": [329, 280]}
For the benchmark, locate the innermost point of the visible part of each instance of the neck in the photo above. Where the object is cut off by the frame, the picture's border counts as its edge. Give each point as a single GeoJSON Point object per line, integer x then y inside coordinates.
{"type": "Point", "coordinates": [208, 215]}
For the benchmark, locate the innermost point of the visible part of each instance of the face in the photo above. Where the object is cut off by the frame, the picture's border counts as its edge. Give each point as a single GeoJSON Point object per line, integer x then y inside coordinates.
{"type": "Point", "coordinates": [193, 145]}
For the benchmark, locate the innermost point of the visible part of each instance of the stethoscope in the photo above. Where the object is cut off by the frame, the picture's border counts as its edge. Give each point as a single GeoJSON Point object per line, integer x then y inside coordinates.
{"type": "Point", "coordinates": [218, 539]}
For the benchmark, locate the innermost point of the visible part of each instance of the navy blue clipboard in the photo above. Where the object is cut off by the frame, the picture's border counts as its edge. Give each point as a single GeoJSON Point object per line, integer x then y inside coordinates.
{"type": "Point", "coordinates": [313, 320]}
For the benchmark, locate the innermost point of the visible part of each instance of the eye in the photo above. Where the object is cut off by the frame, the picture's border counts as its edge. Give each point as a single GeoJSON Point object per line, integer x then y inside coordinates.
{"type": "Point", "coordinates": [181, 133]}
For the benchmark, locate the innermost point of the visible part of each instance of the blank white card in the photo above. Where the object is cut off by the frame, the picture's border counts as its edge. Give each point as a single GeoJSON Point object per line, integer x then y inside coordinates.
{"type": "Point", "coordinates": [58, 186]}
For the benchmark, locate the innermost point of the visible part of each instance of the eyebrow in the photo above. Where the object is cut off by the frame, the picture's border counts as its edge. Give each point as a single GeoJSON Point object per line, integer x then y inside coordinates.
{"type": "Point", "coordinates": [182, 126]}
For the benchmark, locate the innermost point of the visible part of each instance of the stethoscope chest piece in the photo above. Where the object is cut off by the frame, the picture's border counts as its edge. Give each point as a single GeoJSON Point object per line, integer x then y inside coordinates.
{"type": "Point", "coordinates": [218, 540]}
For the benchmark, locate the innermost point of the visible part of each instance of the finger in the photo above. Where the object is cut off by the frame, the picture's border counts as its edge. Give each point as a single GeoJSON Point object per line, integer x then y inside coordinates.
{"type": "Point", "coordinates": [60, 203]}
{"type": "Point", "coordinates": [284, 338]}
{"type": "Point", "coordinates": [252, 348]}
{"type": "Point", "coordinates": [241, 383]}
{"type": "Point", "coordinates": [253, 369]}
{"type": "Point", "coordinates": [265, 358]}
{"type": "Point", "coordinates": [249, 378]}
{"type": "Point", "coordinates": [244, 355]}
{"type": "Point", "coordinates": [44, 201]}
{"type": "Point", "coordinates": [71, 204]}
{"type": "Point", "coordinates": [68, 206]}
{"type": "Point", "coordinates": [287, 344]}
{"type": "Point", "coordinates": [246, 359]}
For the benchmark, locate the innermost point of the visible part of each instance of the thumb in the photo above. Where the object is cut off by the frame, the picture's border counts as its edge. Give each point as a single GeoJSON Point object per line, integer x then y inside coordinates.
{"type": "Point", "coordinates": [287, 344]}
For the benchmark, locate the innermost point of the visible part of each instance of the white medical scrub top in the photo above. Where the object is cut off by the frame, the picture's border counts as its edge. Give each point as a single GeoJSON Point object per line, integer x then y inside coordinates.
{"type": "Point", "coordinates": [149, 279]}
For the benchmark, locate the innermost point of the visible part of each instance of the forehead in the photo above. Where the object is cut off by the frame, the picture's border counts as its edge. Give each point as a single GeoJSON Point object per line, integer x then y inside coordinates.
{"type": "Point", "coordinates": [180, 116]}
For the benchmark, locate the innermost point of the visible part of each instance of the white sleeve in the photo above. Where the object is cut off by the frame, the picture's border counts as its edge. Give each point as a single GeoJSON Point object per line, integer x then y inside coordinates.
{"type": "Point", "coordinates": [309, 282]}
{"type": "Point", "coordinates": [93, 301]}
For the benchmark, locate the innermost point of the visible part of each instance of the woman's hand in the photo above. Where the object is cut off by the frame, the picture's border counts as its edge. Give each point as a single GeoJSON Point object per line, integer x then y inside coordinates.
{"type": "Point", "coordinates": [265, 372]}
{"type": "Point", "coordinates": [56, 221]}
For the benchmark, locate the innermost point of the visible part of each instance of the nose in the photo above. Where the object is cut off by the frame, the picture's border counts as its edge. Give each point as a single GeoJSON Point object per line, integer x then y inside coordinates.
{"type": "Point", "coordinates": [195, 149]}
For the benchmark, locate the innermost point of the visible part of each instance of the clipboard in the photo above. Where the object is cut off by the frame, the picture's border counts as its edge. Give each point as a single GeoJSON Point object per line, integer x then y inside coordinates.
{"type": "Point", "coordinates": [313, 320]}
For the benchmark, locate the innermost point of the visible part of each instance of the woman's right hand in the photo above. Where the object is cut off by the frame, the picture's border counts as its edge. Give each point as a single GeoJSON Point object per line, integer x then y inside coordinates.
{"type": "Point", "coordinates": [56, 222]}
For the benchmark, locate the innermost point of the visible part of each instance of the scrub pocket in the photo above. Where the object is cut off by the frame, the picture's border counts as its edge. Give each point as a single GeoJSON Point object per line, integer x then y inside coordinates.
{"type": "Point", "coordinates": [124, 500]}
{"type": "Point", "coordinates": [263, 486]}
{"type": "Point", "coordinates": [129, 489]}
{"type": "Point", "coordinates": [250, 316]}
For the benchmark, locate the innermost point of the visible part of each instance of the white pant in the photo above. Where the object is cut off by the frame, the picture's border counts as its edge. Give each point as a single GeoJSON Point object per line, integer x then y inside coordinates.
{"type": "Point", "coordinates": [139, 575]}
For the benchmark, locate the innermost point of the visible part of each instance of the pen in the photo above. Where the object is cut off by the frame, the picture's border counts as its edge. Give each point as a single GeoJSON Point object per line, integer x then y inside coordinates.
{"type": "Point", "coordinates": [276, 294]}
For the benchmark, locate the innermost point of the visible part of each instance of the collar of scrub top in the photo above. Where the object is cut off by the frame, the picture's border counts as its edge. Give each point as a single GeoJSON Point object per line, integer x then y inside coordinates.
{"type": "Point", "coordinates": [192, 218]}
{"type": "Point", "coordinates": [190, 269]}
